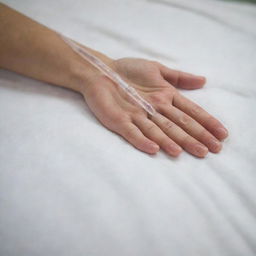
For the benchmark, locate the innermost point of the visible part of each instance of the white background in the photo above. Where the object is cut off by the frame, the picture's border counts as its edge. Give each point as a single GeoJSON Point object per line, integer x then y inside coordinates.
{"type": "Point", "coordinates": [68, 186]}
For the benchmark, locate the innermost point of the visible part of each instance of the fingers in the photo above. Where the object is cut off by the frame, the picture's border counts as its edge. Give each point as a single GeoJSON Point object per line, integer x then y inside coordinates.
{"type": "Point", "coordinates": [133, 135]}
{"type": "Point", "coordinates": [193, 128]}
{"type": "Point", "coordinates": [201, 116]}
{"type": "Point", "coordinates": [182, 79]}
{"type": "Point", "coordinates": [171, 131]}
{"type": "Point", "coordinates": [153, 132]}
{"type": "Point", "coordinates": [178, 135]}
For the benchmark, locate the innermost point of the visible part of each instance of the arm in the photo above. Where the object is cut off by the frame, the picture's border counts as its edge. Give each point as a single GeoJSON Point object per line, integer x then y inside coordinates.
{"type": "Point", "coordinates": [31, 49]}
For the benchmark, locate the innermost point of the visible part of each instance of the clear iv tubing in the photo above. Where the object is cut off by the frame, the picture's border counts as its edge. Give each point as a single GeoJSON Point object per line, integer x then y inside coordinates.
{"type": "Point", "coordinates": [111, 74]}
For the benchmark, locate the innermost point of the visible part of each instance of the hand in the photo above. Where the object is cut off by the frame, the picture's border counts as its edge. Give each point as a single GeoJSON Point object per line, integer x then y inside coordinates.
{"type": "Point", "coordinates": [179, 123]}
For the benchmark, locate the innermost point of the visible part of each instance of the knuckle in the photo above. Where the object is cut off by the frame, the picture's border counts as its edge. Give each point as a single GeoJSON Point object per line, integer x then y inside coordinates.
{"type": "Point", "coordinates": [137, 113]}
{"type": "Point", "coordinates": [185, 119]}
{"type": "Point", "coordinates": [195, 110]}
{"type": "Point", "coordinates": [150, 127]}
{"type": "Point", "coordinates": [213, 121]}
{"type": "Point", "coordinates": [118, 118]}
{"type": "Point", "coordinates": [187, 140]}
{"type": "Point", "coordinates": [210, 121]}
{"type": "Point", "coordinates": [129, 132]}
{"type": "Point", "coordinates": [167, 126]}
{"type": "Point", "coordinates": [204, 134]}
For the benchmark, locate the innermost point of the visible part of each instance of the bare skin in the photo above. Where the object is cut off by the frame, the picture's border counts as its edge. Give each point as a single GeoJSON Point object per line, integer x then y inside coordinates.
{"type": "Point", "coordinates": [180, 123]}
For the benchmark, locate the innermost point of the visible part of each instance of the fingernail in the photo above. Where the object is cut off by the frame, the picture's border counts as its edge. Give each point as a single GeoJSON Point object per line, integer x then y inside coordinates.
{"type": "Point", "coordinates": [201, 77]}
{"type": "Point", "coordinates": [153, 148]}
{"type": "Point", "coordinates": [174, 150]}
{"type": "Point", "coordinates": [222, 133]}
{"type": "Point", "coordinates": [200, 150]}
{"type": "Point", "coordinates": [214, 145]}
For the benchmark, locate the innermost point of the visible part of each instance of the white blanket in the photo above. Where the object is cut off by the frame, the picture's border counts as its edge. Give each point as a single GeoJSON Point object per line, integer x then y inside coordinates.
{"type": "Point", "coordinates": [70, 187]}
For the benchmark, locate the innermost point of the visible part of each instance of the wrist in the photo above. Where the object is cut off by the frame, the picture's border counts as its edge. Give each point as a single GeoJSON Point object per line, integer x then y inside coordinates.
{"type": "Point", "coordinates": [82, 72]}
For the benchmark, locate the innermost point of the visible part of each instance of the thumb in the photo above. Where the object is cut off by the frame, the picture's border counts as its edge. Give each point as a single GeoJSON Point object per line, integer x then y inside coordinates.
{"type": "Point", "coordinates": [181, 79]}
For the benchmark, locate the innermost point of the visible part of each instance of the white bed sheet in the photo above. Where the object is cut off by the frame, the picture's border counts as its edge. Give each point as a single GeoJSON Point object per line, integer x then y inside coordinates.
{"type": "Point", "coordinates": [68, 186]}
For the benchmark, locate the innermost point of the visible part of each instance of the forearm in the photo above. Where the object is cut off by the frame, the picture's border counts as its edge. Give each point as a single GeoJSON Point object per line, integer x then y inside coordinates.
{"type": "Point", "coordinates": [32, 49]}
